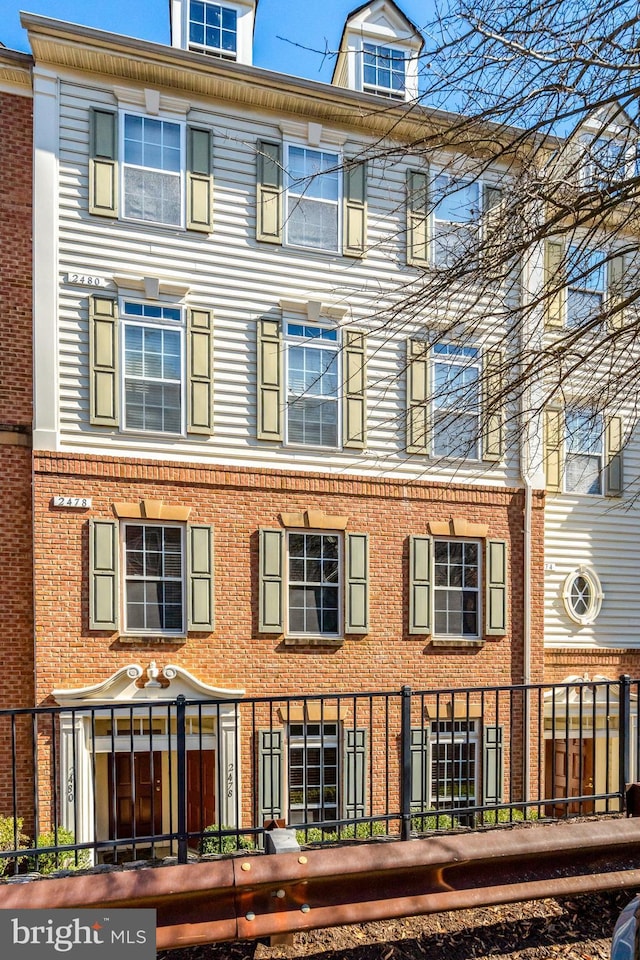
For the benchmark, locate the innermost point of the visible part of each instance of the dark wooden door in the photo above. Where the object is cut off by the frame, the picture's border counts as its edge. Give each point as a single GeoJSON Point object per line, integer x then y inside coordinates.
{"type": "Point", "coordinates": [137, 791]}
{"type": "Point", "coordinates": [201, 790]}
{"type": "Point", "coordinates": [569, 773]}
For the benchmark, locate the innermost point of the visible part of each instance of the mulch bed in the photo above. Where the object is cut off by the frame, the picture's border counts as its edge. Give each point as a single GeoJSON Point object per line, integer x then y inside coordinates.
{"type": "Point", "coordinates": [576, 928]}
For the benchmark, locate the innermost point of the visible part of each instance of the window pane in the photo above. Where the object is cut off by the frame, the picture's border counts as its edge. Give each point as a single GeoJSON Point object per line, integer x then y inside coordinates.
{"type": "Point", "coordinates": [313, 583]}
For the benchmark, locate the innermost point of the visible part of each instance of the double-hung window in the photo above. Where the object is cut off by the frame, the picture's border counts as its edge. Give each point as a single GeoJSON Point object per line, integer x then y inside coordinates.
{"type": "Point", "coordinates": [454, 763]}
{"type": "Point", "coordinates": [455, 220]}
{"type": "Point", "coordinates": [313, 385]}
{"type": "Point", "coordinates": [586, 284]}
{"type": "Point", "coordinates": [313, 192]}
{"type": "Point", "coordinates": [456, 592]}
{"type": "Point", "coordinates": [213, 28]}
{"type": "Point", "coordinates": [314, 589]}
{"type": "Point", "coordinates": [154, 578]}
{"type": "Point", "coordinates": [583, 452]}
{"type": "Point", "coordinates": [608, 162]}
{"type": "Point", "coordinates": [153, 368]}
{"type": "Point", "coordinates": [383, 70]}
{"type": "Point", "coordinates": [313, 772]}
{"type": "Point", "coordinates": [456, 401]}
{"type": "Point", "coordinates": [152, 169]}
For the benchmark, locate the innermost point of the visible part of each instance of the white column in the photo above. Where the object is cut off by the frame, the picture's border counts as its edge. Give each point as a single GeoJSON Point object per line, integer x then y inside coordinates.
{"type": "Point", "coordinates": [77, 787]}
{"type": "Point", "coordinates": [229, 791]}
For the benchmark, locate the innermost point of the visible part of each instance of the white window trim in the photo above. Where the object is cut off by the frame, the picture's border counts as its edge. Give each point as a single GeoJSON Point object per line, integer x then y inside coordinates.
{"type": "Point", "coordinates": [289, 340]}
{"type": "Point", "coordinates": [565, 450]}
{"type": "Point", "coordinates": [452, 637]}
{"type": "Point", "coordinates": [581, 285]}
{"type": "Point", "coordinates": [470, 736]}
{"type": "Point", "coordinates": [476, 361]}
{"type": "Point", "coordinates": [320, 741]}
{"type": "Point", "coordinates": [462, 180]}
{"type": "Point", "coordinates": [123, 166]}
{"type": "Point", "coordinates": [387, 92]}
{"type": "Point", "coordinates": [202, 47]}
{"type": "Point", "coordinates": [148, 631]}
{"type": "Point", "coordinates": [597, 596]}
{"type": "Point", "coordinates": [129, 320]}
{"type": "Point", "coordinates": [310, 637]}
{"type": "Point", "coordinates": [321, 146]}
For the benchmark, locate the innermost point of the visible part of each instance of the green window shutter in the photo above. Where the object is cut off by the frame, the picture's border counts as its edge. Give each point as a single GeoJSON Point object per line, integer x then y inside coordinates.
{"type": "Point", "coordinates": [420, 585]}
{"type": "Point", "coordinates": [269, 192]}
{"type": "Point", "coordinates": [270, 775]}
{"type": "Point", "coordinates": [103, 575]}
{"type": "Point", "coordinates": [103, 163]}
{"type": "Point", "coordinates": [616, 276]}
{"type": "Point", "coordinates": [354, 411]}
{"type": "Point", "coordinates": [103, 361]}
{"type": "Point", "coordinates": [420, 760]}
{"type": "Point", "coordinates": [554, 279]}
{"type": "Point", "coordinates": [493, 765]}
{"type": "Point", "coordinates": [418, 389]}
{"type": "Point", "coordinates": [492, 413]}
{"type": "Point", "coordinates": [355, 773]}
{"type": "Point", "coordinates": [417, 218]}
{"type": "Point", "coordinates": [613, 474]}
{"type": "Point", "coordinates": [199, 180]}
{"type": "Point", "coordinates": [271, 586]}
{"type": "Point", "coordinates": [355, 210]}
{"type": "Point", "coordinates": [200, 372]}
{"type": "Point", "coordinates": [269, 395]}
{"type": "Point", "coordinates": [553, 435]}
{"type": "Point", "coordinates": [356, 618]}
{"type": "Point", "coordinates": [200, 577]}
{"type": "Point", "coordinates": [497, 601]}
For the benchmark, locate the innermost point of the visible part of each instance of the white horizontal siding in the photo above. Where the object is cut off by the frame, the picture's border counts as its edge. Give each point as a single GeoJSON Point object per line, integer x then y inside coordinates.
{"type": "Point", "coordinates": [242, 280]}
{"type": "Point", "coordinates": [603, 533]}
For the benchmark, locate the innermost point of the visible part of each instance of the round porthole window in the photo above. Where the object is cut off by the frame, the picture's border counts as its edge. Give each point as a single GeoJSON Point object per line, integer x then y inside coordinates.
{"type": "Point", "coordinates": [582, 595]}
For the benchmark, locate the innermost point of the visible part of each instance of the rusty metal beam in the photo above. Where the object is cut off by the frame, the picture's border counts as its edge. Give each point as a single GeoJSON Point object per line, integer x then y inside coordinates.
{"type": "Point", "coordinates": [258, 896]}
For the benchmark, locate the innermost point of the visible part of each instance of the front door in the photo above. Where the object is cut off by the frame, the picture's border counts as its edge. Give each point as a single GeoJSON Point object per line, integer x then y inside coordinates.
{"type": "Point", "coordinates": [137, 794]}
{"type": "Point", "coordinates": [569, 773]}
{"type": "Point", "coordinates": [201, 796]}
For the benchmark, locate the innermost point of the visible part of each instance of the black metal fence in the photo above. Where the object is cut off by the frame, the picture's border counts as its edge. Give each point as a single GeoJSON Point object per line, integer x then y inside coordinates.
{"type": "Point", "coordinates": [159, 778]}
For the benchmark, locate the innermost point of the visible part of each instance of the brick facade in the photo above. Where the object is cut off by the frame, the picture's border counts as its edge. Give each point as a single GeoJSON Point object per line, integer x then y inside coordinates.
{"type": "Point", "coordinates": [237, 503]}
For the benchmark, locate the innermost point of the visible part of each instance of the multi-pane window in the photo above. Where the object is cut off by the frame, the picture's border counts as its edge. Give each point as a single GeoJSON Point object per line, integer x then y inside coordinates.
{"type": "Point", "coordinates": [383, 70]}
{"type": "Point", "coordinates": [213, 28]}
{"type": "Point", "coordinates": [313, 772]}
{"type": "Point", "coordinates": [455, 220]}
{"type": "Point", "coordinates": [152, 389]}
{"type": "Point", "coordinates": [313, 198]}
{"type": "Point", "coordinates": [312, 385]}
{"type": "Point", "coordinates": [313, 584]}
{"type": "Point", "coordinates": [583, 452]}
{"type": "Point", "coordinates": [586, 284]}
{"type": "Point", "coordinates": [152, 169]}
{"type": "Point", "coordinates": [456, 592]}
{"type": "Point", "coordinates": [454, 763]}
{"type": "Point", "coordinates": [154, 578]}
{"type": "Point", "coordinates": [608, 162]}
{"type": "Point", "coordinates": [456, 401]}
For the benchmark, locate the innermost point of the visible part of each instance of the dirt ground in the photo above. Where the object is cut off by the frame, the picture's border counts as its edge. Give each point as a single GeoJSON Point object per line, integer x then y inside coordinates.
{"type": "Point", "coordinates": [577, 928]}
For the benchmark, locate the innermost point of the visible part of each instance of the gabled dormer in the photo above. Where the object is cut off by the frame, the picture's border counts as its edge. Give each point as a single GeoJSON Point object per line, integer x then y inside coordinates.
{"type": "Point", "coordinates": [217, 28]}
{"type": "Point", "coordinates": [379, 52]}
{"type": "Point", "coordinates": [610, 144]}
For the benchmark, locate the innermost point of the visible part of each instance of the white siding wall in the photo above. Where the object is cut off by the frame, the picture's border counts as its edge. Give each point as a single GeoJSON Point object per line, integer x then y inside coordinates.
{"type": "Point", "coordinates": [241, 280]}
{"type": "Point", "coordinates": [603, 533]}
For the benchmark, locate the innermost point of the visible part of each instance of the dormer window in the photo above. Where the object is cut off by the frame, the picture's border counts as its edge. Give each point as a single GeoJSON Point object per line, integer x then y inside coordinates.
{"type": "Point", "coordinates": [383, 70]}
{"type": "Point", "coordinates": [213, 29]}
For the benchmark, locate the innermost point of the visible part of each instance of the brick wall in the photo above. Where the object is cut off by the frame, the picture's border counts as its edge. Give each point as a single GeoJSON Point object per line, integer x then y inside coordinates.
{"type": "Point", "coordinates": [237, 503]}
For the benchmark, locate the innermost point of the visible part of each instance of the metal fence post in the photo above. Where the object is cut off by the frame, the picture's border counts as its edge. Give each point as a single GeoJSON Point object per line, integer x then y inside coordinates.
{"type": "Point", "coordinates": [624, 738]}
{"type": "Point", "coordinates": [181, 760]}
{"type": "Point", "coordinates": [405, 759]}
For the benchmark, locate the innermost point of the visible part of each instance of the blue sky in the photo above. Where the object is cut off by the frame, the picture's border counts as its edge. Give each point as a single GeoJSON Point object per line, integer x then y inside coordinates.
{"type": "Point", "coordinates": [289, 35]}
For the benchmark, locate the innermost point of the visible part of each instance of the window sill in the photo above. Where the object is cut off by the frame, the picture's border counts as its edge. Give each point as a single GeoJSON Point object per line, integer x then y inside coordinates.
{"type": "Point", "coordinates": [140, 638]}
{"type": "Point", "coordinates": [312, 641]}
{"type": "Point", "coordinates": [457, 642]}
